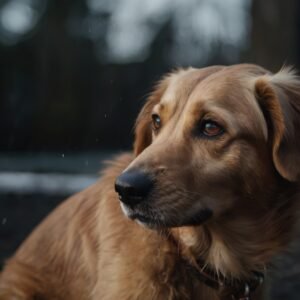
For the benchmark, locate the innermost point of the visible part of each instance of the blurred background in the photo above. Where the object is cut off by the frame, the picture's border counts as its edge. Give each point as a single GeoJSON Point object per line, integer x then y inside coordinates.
{"type": "Point", "coordinates": [74, 74]}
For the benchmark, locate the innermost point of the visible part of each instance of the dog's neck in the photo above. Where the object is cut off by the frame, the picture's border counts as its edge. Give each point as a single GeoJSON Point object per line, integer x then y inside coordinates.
{"type": "Point", "coordinates": [235, 247]}
{"type": "Point", "coordinates": [215, 257]}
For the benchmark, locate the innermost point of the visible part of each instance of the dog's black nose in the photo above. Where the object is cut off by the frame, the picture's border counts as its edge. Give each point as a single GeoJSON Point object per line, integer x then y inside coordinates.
{"type": "Point", "coordinates": [133, 187]}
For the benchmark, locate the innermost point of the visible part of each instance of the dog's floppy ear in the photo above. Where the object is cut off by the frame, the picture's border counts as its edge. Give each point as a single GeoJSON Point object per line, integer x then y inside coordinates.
{"type": "Point", "coordinates": [143, 127]}
{"type": "Point", "coordinates": [279, 97]}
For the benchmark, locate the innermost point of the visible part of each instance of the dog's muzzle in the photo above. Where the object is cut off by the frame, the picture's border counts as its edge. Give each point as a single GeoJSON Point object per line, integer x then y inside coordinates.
{"type": "Point", "coordinates": [133, 187]}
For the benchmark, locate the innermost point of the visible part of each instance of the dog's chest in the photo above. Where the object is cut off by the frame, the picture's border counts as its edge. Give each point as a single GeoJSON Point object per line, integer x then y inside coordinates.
{"type": "Point", "coordinates": [158, 278]}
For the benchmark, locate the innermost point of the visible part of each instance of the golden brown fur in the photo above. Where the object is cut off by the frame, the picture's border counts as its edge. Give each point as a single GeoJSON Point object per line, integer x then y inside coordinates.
{"type": "Point", "coordinates": [248, 178]}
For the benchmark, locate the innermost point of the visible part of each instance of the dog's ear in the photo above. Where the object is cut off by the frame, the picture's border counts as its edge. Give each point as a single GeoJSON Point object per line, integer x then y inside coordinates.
{"type": "Point", "coordinates": [143, 127]}
{"type": "Point", "coordinates": [279, 97]}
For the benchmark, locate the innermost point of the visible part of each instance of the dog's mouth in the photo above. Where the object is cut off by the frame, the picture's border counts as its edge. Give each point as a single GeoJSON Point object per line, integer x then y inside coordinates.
{"type": "Point", "coordinates": [159, 220]}
{"type": "Point", "coordinates": [147, 221]}
{"type": "Point", "coordinates": [150, 220]}
{"type": "Point", "coordinates": [141, 218]}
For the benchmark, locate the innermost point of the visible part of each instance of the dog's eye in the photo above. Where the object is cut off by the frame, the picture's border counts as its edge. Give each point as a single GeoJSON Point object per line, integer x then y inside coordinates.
{"type": "Point", "coordinates": [211, 128]}
{"type": "Point", "coordinates": [156, 121]}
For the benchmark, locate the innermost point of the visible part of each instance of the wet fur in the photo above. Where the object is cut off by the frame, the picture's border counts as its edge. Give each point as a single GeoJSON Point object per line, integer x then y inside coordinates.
{"type": "Point", "coordinates": [88, 249]}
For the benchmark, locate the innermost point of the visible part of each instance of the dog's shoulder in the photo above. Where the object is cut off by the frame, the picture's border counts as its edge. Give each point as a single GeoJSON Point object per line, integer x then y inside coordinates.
{"type": "Point", "coordinates": [115, 167]}
{"type": "Point", "coordinates": [63, 250]}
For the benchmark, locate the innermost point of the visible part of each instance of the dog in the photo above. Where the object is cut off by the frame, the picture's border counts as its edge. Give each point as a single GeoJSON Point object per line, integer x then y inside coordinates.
{"type": "Point", "coordinates": [198, 210]}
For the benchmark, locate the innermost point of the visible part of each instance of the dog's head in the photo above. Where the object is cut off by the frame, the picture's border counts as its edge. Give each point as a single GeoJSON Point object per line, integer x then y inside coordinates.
{"type": "Point", "coordinates": [212, 142]}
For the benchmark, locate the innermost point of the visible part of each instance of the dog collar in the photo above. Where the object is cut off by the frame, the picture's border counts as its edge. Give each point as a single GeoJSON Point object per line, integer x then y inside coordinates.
{"type": "Point", "coordinates": [234, 289]}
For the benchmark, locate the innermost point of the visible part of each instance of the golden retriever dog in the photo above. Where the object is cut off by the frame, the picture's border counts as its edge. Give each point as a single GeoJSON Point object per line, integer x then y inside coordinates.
{"type": "Point", "coordinates": [199, 209]}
